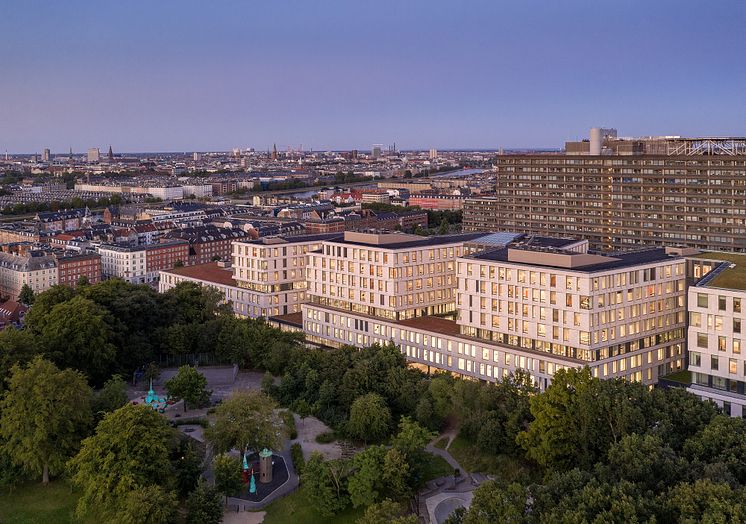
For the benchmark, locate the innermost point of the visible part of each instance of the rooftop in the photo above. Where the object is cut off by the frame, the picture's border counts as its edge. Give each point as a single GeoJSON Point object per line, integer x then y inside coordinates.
{"type": "Point", "coordinates": [733, 278]}
{"type": "Point", "coordinates": [211, 272]}
{"type": "Point", "coordinates": [397, 240]}
{"type": "Point", "coordinates": [591, 262]}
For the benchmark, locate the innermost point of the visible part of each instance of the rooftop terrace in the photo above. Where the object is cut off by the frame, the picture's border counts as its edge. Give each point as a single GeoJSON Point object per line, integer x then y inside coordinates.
{"type": "Point", "coordinates": [733, 278]}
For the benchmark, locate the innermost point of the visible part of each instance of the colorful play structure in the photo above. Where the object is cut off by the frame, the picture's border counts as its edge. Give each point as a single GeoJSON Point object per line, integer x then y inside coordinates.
{"type": "Point", "coordinates": [154, 401]}
{"type": "Point", "coordinates": [265, 469]}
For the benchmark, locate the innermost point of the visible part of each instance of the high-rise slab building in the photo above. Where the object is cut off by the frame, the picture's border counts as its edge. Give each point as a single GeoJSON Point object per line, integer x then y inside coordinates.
{"type": "Point", "coordinates": [620, 193]}
{"type": "Point", "coordinates": [94, 155]}
{"type": "Point", "coordinates": [45, 155]}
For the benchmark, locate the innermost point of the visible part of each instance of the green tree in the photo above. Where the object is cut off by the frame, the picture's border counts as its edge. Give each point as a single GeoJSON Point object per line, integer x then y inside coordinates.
{"type": "Point", "coordinates": [147, 505]}
{"type": "Point", "coordinates": [412, 437]}
{"type": "Point", "coordinates": [26, 296]}
{"type": "Point", "coordinates": [83, 281]}
{"type": "Point", "coordinates": [578, 418]}
{"type": "Point", "coordinates": [386, 512]}
{"type": "Point", "coordinates": [303, 409]}
{"type": "Point", "coordinates": [444, 226]}
{"type": "Point", "coordinates": [77, 334]}
{"type": "Point", "coordinates": [645, 461]}
{"type": "Point", "coordinates": [152, 372]}
{"type": "Point", "coordinates": [268, 382]}
{"type": "Point", "coordinates": [129, 452]}
{"type": "Point", "coordinates": [705, 501]}
{"type": "Point", "coordinates": [370, 418]}
{"type": "Point", "coordinates": [246, 420]}
{"type": "Point", "coordinates": [228, 477]}
{"type": "Point", "coordinates": [189, 385]}
{"type": "Point", "coordinates": [494, 502]}
{"type": "Point", "coordinates": [205, 505]}
{"type": "Point", "coordinates": [325, 484]}
{"type": "Point", "coordinates": [17, 346]}
{"type": "Point", "coordinates": [44, 414]}
{"type": "Point", "coordinates": [37, 316]}
{"type": "Point", "coordinates": [378, 472]}
{"type": "Point", "coordinates": [137, 320]}
{"type": "Point", "coordinates": [187, 464]}
{"type": "Point", "coordinates": [722, 443]}
{"type": "Point", "coordinates": [111, 397]}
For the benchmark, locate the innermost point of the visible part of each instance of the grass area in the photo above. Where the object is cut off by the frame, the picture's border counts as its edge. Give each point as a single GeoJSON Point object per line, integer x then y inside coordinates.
{"type": "Point", "coordinates": [441, 443]}
{"type": "Point", "coordinates": [289, 419]}
{"type": "Point", "coordinates": [436, 467]}
{"type": "Point", "coordinates": [296, 508]}
{"type": "Point", "coordinates": [475, 460]}
{"type": "Point", "coordinates": [33, 503]}
{"type": "Point", "coordinates": [326, 438]}
{"type": "Point", "coordinates": [734, 278]}
{"type": "Point", "coordinates": [684, 377]}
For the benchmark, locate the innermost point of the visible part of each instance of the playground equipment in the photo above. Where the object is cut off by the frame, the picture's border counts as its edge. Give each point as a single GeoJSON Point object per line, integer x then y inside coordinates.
{"type": "Point", "coordinates": [154, 401]}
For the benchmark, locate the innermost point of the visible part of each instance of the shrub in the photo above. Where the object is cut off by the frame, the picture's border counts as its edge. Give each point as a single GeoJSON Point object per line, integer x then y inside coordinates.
{"type": "Point", "coordinates": [289, 419]}
{"type": "Point", "coordinates": [296, 453]}
{"type": "Point", "coordinates": [326, 438]}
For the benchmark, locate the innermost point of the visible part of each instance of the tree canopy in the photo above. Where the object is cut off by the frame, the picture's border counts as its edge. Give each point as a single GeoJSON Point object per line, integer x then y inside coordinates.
{"type": "Point", "coordinates": [246, 421]}
{"type": "Point", "coordinates": [189, 385]}
{"type": "Point", "coordinates": [43, 416]}
{"type": "Point", "coordinates": [127, 456]}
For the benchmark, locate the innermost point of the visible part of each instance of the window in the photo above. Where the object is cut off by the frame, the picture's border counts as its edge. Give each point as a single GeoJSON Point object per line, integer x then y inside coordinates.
{"type": "Point", "coordinates": [722, 344]}
{"type": "Point", "coordinates": [702, 340]}
{"type": "Point", "coordinates": [732, 366]}
{"type": "Point", "coordinates": [736, 325]}
{"type": "Point", "coordinates": [695, 358]}
{"type": "Point", "coordinates": [736, 346]}
{"type": "Point", "coordinates": [721, 303]}
{"type": "Point", "coordinates": [714, 362]}
{"type": "Point", "coordinates": [695, 319]}
{"type": "Point", "coordinates": [736, 305]}
{"type": "Point", "coordinates": [701, 300]}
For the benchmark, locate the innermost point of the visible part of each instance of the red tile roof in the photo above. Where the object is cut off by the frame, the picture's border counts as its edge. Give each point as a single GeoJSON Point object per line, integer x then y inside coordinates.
{"type": "Point", "coordinates": [208, 272]}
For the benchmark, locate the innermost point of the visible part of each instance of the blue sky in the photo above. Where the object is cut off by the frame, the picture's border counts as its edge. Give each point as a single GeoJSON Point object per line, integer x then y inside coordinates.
{"type": "Point", "coordinates": [186, 75]}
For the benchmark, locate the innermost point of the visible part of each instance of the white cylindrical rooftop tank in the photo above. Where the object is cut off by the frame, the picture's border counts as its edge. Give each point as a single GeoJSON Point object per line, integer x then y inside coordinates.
{"type": "Point", "coordinates": [596, 140]}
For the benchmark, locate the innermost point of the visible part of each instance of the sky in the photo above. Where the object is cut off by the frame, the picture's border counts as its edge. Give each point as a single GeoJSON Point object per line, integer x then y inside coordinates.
{"type": "Point", "coordinates": [168, 75]}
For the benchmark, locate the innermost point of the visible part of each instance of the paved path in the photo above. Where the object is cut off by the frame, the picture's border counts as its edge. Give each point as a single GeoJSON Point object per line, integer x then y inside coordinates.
{"type": "Point", "coordinates": [444, 452]}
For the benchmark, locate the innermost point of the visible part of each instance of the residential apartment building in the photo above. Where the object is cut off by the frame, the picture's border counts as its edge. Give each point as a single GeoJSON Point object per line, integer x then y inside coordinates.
{"type": "Point", "coordinates": [437, 201]}
{"type": "Point", "coordinates": [72, 266]}
{"type": "Point", "coordinates": [717, 330]}
{"type": "Point", "coordinates": [65, 220]}
{"type": "Point", "coordinates": [623, 193]}
{"type": "Point", "coordinates": [141, 264]}
{"type": "Point", "coordinates": [208, 243]}
{"type": "Point", "coordinates": [37, 270]}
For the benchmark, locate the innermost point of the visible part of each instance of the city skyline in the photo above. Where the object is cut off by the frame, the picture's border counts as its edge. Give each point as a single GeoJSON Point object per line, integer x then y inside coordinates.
{"type": "Point", "coordinates": [178, 77]}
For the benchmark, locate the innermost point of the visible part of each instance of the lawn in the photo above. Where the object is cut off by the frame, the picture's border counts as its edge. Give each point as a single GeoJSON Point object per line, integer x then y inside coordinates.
{"type": "Point", "coordinates": [474, 460]}
{"type": "Point", "coordinates": [296, 508]}
{"type": "Point", "coordinates": [683, 377]}
{"type": "Point", "coordinates": [436, 467]}
{"type": "Point", "coordinates": [441, 443]}
{"type": "Point", "coordinates": [734, 278]}
{"type": "Point", "coordinates": [33, 503]}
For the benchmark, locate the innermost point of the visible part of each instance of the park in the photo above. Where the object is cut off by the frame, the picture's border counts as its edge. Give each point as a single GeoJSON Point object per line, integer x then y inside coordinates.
{"type": "Point", "coordinates": [120, 404]}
